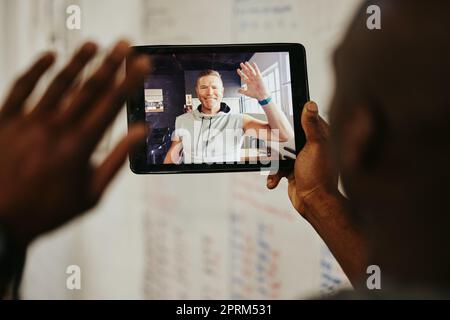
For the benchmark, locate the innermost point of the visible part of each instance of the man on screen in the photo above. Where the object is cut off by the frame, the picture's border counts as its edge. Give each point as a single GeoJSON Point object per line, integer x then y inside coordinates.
{"type": "Point", "coordinates": [212, 134]}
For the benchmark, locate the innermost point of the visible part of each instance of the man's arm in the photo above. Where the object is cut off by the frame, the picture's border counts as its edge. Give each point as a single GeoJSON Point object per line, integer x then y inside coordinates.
{"type": "Point", "coordinates": [313, 191]}
{"type": "Point", "coordinates": [174, 153]}
{"type": "Point", "coordinates": [277, 128]}
{"type": "Point", "coordinates": [276, 119]}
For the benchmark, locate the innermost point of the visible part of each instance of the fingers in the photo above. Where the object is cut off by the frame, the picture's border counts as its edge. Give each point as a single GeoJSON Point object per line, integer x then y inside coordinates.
{"type": "Point", "coordinates": [95, 87]}
{"type": "Point", "coordinates": [95, 123]}
{"type": "Point", "coordinates": [248, 70]}
{"type": "Point", "coordinates": [244, 78]}
{"type": "Point", "coordinates": [255, 66]}
{"type": "Point", "coordinates": [325, 127]}
{"type": "Point", "coordinates": [63, 81]}
{"type": "Point", "coordinates": [311, 122]}
{"type": "Point", "coordinates": [273, 180]}
{"type": "Point", "coordinates": [107, 170]}
{"type": "Point", "coordinates": [25, 85]}
{"type": "Point", "coordinates": [73, 91]}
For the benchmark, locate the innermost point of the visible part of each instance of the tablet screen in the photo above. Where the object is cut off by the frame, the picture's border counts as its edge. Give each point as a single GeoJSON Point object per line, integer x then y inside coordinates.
{"type": "Point", "coordinates": [218, 108]}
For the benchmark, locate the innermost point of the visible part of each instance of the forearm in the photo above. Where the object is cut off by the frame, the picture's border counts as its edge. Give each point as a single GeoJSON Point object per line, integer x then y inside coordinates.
{"type": "Point", "coordinates": [277, 120]}
{"type": "Point", "coordinates": [328, 214]}
{"type": "Point", "coordinates": [168, 158]}
{"type": "Point", "coordinates": [173, 155]}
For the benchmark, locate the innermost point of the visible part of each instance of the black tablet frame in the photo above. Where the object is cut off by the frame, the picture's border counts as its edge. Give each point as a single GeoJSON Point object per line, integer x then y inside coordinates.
{"type": "Point", "coordinates": [299, 79]}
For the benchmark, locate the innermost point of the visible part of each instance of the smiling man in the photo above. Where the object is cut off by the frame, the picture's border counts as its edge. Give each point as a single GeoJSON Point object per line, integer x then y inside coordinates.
{"type": "Point", "coordinates": [212, 134]}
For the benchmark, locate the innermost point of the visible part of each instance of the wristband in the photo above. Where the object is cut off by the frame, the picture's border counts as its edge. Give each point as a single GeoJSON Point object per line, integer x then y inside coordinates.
{"type": "Point", "coordinates": [265, 102]}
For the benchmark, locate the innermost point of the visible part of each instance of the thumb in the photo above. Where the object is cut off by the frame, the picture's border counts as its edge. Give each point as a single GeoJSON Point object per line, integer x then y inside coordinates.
{"type": "Point", "coordinates": [242, 91]}
{"type": "Point", "coordinates": [310, 121]}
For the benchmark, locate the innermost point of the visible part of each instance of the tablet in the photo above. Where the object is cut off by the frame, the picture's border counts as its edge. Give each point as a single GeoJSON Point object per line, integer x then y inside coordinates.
{"type": "Point", "coordinates": [219, 108]}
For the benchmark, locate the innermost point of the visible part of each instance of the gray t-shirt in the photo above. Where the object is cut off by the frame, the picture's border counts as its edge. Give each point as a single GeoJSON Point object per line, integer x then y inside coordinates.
{"type": "Point", "coordinates": [210, 138]}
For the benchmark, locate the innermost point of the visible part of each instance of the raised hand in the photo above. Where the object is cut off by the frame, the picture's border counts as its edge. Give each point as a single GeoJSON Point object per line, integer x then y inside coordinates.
{"type": "Point", "coordinates": [252, 78]}
{"type": "Point", "coordinates": [46, 177]}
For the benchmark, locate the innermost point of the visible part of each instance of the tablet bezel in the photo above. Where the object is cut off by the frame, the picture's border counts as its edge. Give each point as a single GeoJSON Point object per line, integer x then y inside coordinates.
{"type": "Point", "coordinates": [299, 79]}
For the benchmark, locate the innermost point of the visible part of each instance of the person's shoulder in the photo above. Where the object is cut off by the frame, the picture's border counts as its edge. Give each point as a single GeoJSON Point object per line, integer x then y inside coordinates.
{"type": "Point", "coordinates": [231, 116]}
{"type": "Point", "coordinates": [186, 117]}
{"type": "Point", "coordinates": [237, 116]}
{"type": "Point", "coordinates": [184, 120]}
{"type": "Point", "coordinates": [235, 120]}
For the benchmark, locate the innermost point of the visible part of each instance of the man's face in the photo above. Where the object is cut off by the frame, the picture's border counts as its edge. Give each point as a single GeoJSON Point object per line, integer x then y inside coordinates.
{"type": "Point", "coordinates": [210, 92]}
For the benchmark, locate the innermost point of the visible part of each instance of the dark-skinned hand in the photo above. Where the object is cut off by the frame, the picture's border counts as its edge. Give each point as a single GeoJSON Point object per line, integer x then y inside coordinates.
{"type": "Point", "coordinates": [313, 171]}
{"type": "Point", "coordinates": [46, 176]}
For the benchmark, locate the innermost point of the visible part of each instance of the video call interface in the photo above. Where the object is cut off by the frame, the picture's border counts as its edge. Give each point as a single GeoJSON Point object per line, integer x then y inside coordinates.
{"type": "Point", "coordinates": [204, 108]}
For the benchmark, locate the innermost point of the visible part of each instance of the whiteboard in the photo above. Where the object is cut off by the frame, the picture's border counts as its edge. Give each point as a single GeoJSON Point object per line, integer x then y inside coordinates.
{"type": "Point", "coordinates": [207, 236]}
